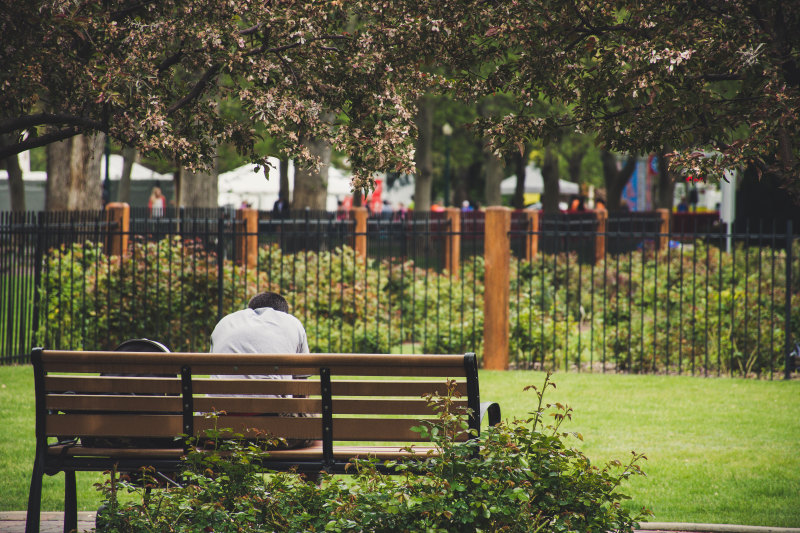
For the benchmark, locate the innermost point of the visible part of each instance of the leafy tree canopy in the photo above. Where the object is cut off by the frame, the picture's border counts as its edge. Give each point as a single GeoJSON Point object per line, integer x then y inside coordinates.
{"type": "Point", "coordinates": [157, 75]}
{"type": "Point", "coordinates": [719, 77]}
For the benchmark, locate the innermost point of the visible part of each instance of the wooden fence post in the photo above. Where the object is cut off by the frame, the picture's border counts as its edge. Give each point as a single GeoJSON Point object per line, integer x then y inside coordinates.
{"type": "Point", "coordinates": [600, 236]}
{"type": "Point", "coordinates": [360, 246]}
{"type": "Point", "coordinates": [452, 261]}
{"type": "Point", "coordinates": [532, 239]}
{"type": "Point", "coordinates": [118, 218]}
{"type": "Point", "coordinates": [247, 237]}
{"type": "Point", "coordinates": [497, 257]}
{"type": "Point", "coordinates": [663, 230]}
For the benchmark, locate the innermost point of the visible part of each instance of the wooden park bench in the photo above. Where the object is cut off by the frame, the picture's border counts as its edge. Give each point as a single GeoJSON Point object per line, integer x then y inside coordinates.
{"type": "Point", "coordinates": [352, 400]}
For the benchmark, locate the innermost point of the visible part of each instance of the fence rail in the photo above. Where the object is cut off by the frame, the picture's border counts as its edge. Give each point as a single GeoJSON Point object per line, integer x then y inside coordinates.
{"type": "Point", "coordinates": [623, 293]}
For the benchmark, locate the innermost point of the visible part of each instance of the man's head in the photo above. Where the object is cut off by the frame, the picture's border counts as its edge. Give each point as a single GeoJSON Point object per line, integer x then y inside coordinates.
{"type": "Point", "coordinates": [269, 299]}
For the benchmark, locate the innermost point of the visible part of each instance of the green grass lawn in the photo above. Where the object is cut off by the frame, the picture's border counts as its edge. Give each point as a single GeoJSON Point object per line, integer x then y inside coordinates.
{"type": "Point", "coordinates": [719, 450]}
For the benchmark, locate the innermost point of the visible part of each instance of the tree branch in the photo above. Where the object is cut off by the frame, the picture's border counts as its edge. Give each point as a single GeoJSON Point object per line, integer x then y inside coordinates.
{"type": "Point", "coordinates": [40, 119]}
{"type": "Point", "coordinates": [196, 91]}
{"type": "Point", "coordinates": [36, 142]}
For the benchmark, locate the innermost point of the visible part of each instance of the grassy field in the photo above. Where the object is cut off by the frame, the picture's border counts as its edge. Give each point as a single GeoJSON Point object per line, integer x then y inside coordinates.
{"type": "Point", "coordinates": [719, 450]}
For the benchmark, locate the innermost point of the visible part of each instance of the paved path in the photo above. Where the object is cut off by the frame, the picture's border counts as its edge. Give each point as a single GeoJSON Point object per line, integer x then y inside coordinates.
{"type": "Point", "coordinates": [53, 522]}
{"type": "Point", "coordinates": [14, 522]}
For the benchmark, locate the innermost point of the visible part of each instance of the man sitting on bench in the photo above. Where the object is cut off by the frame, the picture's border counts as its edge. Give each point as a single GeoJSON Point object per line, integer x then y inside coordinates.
{"type": "Point", "coordinates": [265, 326]}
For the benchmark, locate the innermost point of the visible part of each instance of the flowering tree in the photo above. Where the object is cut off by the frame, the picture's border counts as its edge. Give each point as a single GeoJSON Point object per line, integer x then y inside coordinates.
{"type": "Point", "coordinates": [717, 78]}
{"type": "Point", "coordinates": [153, 74]}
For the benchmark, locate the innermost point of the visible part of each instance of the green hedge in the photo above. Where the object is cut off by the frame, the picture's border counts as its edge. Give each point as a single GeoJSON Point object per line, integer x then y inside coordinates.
{"type": "Point", "coordinates": [681, 311]}
{"type": "Point", "coordinates": [516, 477]}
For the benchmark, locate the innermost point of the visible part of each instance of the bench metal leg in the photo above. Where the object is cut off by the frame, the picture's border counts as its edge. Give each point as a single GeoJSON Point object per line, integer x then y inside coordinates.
{"type": "Point", "coordinates": [70, 503]}
{"type": "Point", "coordinates": [34, 500]}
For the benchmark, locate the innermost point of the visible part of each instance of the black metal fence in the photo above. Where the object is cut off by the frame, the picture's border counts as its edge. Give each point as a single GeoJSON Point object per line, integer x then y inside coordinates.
{"type": "Point", "coordinates": [709, 302]}
{"type": "Point", "coordinates": [712, 302]}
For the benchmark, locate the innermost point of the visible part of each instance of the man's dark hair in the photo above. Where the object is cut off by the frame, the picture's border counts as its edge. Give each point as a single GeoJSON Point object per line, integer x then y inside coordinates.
{"type": "Point", "coordinates": [269, 299]}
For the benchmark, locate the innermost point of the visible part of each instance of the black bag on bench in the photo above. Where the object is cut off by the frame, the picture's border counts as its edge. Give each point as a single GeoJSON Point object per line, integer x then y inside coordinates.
{"type": "Point", "coordinates": [134, 345]}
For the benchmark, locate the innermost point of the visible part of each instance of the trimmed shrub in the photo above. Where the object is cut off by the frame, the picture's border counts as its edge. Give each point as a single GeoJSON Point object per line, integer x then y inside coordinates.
{"type": "Point", "coordinates": [516, 477]}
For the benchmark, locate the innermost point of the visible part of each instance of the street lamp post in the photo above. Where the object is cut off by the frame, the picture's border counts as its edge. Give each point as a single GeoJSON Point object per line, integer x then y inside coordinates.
{"type": "Point", "coordinates": [447, 130]}
{"type": "Point", "coordinates": [107, 180]}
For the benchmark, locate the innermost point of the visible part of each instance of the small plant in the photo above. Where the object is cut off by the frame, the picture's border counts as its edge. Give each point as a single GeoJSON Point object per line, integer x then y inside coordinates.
{"type": "Point", "coordinates": [515, 477]}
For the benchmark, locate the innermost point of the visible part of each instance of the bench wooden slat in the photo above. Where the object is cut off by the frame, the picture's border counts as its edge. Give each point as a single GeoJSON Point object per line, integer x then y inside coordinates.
{"type": "Point", "coordinates": [344, 429]}
{"type": "Point", "coordinates": [310, 387]}
{"type": "Point", "coordinates": [303, 387]}
{"type": "Point", "coordinates": [375, 429]}
{"type": "Point", "coordinates": [103, 425]}
{"type": "Point", "coordinates": [364, 406]}
{"type": "Point", "coordinates": [116, 384]}
{"type": "Point", "coordinates": [287, 427]}
{"type": "Point", "coordinates": [297, 364]}
{"type": "Point", "coordinates": [392, 388]}
{"type": "Point", "coordinates": [79, 451]}
{"type": "Point", "coordinates": [107, 402]}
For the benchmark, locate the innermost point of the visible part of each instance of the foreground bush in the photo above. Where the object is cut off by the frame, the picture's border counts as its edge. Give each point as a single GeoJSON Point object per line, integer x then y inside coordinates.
{"type": "Point", "coordinates": [520, 476]}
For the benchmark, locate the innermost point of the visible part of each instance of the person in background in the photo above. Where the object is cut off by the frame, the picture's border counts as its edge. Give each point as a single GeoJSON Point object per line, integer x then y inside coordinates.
{"type": "Point", "coordinates": [157, 204]}
{"type": "Point", "coordinates": [280, 209]}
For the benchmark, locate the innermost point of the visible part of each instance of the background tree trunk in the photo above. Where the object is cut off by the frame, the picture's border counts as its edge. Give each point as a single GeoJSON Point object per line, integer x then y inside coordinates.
{"type": "Point", "coordinates": [283, 176]}
{"type": "Point", "coordinates": [664, 186]}
{"type": "Point", "coordinates": [494, 175]}
{"type": "Point", "coordinates": [423, 180]}
{"type": "Point", "coordinates": [16, 186]}
{"type": "Point", "coordinates": [550, 179]}
{"type": "Point", "coordinates": [198, 189]}
{"type": "Point", "coordinates": [520, 162]}
{"type": "Point", "coordinates": [616, 178]}
{"type": "Point", "coordinates": [129, 155]}
{"type": "Point", "coordinates": [311, 185]}
{"type": "Point", "coordinates": [493, 163]}
{"type": "Point", "coordinates": [73, 174]}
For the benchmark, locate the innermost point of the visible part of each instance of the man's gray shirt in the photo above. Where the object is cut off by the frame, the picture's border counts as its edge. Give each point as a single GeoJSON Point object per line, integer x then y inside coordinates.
{"type": "Point", "coordinates": [262, 330]}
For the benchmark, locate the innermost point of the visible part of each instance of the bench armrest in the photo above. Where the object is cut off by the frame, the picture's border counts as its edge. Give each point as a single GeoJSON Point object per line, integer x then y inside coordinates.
{"type": "Point", "coordinates": [493, 409]}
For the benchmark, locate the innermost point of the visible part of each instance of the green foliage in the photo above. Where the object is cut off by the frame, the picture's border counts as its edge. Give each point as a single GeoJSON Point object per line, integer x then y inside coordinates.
{"type": "Point", "coordinates": [675, 311]}
{"type": "Point", "coordinates": [165, 290]}
{"type": "Point", "coordinates": [520, 476]}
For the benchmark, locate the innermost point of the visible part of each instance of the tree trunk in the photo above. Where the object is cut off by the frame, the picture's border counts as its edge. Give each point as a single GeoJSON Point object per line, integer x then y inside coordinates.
{"type": "Point", "coordinates": [550, 179]}
{"type": "Point", "coordinates": [494, 175]}
{"type": "Point", "coordinates": [16, 186]}
{"type": "Point", "coordinates": [665, 184]}
{"type": "Point", "coordinates": [129, 155]}
{"type": "Point", "coordinates": [574, 161]}
{"type": "Point", "coordinates": [73, 174]}
{"type": "Point", "coordinates": [423, 157]}
{"type": "Point", "coordinates": [198, 189]}
{"type": "Point", "coordinates": [283, 177]}
{"type": "Point", "coordinates": [520, 161]}
{"type": "Point", "coordinates": [616, 178]}
{"type": "Point", "coordinates": [311, 185]}
{"type": "Point", "coordinates": [493, 163]}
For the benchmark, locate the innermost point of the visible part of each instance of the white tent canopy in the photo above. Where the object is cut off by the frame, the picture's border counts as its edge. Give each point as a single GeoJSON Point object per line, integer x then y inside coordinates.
{"type": "Point", "coordinates": [535, 184]}
{"type": "Point", "coordinates": [260, 189]}
{"type": "Point", "coordinates": [138, 172]}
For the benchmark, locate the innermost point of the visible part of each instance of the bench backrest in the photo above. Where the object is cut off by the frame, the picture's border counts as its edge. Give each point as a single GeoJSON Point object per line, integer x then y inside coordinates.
{"type": "Point", "coordinates": [351, 397]}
